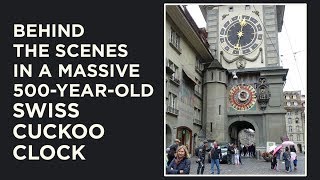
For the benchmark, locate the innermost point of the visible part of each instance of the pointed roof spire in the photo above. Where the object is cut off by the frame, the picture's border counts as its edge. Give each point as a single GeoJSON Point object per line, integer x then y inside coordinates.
{"type": "Point", "coordinates": [215, 65]}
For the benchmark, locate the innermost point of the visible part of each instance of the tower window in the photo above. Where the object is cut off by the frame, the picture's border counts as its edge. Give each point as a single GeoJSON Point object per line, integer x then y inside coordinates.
{"type": "Point", "coordinates": [231, 9]}
{"type": "Point", "coordinates": [247, 7]}
{"type": "Point", "coordinates": [219, 76]}
{"type": "Point", "coordinates": [211, 127]}
{"type": "Point", "coordinates": [219, 109]}
{"type": "Point", "coordinates": [212, 76]}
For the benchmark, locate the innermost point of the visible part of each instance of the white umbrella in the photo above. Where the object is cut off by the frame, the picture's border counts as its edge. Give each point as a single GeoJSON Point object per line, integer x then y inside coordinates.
{"type": "Point", "coordinates": [271, 148]}
{"type": "Point", "coordinates": [287, 143]}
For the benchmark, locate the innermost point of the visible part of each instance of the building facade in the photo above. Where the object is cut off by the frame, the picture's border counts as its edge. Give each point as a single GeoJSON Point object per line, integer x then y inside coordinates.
{"type": "Point", "coordinates": [295, 121]}
{"type": "Point", "coordinates": [186, 53]}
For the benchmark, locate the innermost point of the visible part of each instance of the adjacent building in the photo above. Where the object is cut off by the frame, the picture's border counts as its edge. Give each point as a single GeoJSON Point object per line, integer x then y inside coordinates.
{"type": "Point", "coordinates": [294, 104]}
{"type": "Point", "coordinates": [186, 53]}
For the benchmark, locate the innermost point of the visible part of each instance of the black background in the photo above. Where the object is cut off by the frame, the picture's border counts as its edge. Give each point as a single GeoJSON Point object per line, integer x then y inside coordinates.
{"type": "Point", "coordinates": [133, 143]}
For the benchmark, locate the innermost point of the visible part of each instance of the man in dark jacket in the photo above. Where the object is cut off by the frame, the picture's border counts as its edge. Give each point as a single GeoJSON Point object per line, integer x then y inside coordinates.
{"type": "Point", "coordinates": [172, 151]}
{"type": "Point", "coordinates": [202, 156]}
{"type": "Point", "coordinates": [230, 154]}
{"type": "Point", "coordinates": [215, 157]}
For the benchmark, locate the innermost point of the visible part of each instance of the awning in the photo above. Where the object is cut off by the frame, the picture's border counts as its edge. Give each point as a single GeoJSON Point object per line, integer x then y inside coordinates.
{"type": "Point", "coordinates": [189, 77]}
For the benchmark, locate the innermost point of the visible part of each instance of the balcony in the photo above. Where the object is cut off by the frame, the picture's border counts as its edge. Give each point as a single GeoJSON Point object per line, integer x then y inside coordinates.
{"type": "Point", "coordinates": [198, 70]}
{"type": "Point", "coordinates": [197, 94]}
{"type": "Point", "coordinates": [172, 110]}
{"type": "Point", "coordinates": [169, 70]}
{"type": "Point", "coordinates": [175, 46]}
{"type": "Point", "coordinates": [197, 122]}
{"type": "Point", "coordinates": [175, 81]}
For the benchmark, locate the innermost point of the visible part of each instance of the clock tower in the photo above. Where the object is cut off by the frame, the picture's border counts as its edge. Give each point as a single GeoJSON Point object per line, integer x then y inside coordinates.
{"type": "Point", "coordinates": [244, 40]}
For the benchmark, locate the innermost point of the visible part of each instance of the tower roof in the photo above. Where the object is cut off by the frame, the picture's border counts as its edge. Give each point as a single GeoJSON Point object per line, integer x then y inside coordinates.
{"type": "Point", "coordinates": [215, 65]}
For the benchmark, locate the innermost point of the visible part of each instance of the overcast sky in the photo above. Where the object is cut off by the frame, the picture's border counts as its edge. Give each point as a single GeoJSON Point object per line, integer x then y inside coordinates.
{"type": "Point", "coordinates": [292, 43]}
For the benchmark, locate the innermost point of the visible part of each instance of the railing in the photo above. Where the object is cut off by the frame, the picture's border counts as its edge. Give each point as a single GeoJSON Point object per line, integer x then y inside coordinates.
{"type": "Point", "coordinates": [169, 70]}
{"type": "Point", "coordinates": [175, 80]}
{"type": "Point", "coordinates": [198, 69]}
{"type": "Point", "coordinates": [197, 93]}
{"type": "Point", "coordinates": [172, 110]}
{"type": "Point", "coordinates": [197, 121]}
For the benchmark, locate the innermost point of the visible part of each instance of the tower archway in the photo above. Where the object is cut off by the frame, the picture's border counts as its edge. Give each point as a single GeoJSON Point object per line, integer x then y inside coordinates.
{"type": "Point", "coordinates": [246, 125]}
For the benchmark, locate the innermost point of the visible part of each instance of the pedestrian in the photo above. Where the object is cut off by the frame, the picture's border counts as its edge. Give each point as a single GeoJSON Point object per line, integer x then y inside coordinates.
{"type": "Point", "coordinates": [287, 159]}
{"type": "Point", "coordinates": [293, 154]}
{"type": "Point", "coordinates": [236, 155]}
{"type": "Point", "coordinates": [181, 163]}
{"type": "Point", "coordinates": [244, 150]}
{"type": "Point", "coordinates": [202, 156]}
{"type": "Point", "coordinates": [172, 150]}
{"type": "Point", "coordinates": [274, 162]}
{"type": "Point", "coordinates": [278, 154]}
{"type": "Point", "coordinates": [253, 150]}
{"type": "Point", "coordinates": [230, 153]}
{"type": "Point", "coordinates": [215, 157]}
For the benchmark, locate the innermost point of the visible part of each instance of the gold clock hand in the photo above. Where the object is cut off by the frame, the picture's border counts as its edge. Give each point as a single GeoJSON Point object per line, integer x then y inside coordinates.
{"type": "Point", "coordinates": [240, 33]}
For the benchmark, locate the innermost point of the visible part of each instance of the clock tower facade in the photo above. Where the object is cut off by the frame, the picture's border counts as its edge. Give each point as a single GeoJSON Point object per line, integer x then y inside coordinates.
{"type": "Point", "coordinates": [244, 40]}
{"type": "Point", "coordinates": [244, 36]}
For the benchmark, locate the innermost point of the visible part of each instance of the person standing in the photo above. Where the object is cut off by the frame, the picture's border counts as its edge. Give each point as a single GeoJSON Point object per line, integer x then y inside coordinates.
{"type": "Point", "coordinates": [181, 163]}
{"type": "Point", "coordinates": [293, 154]}
{"type": "Point", "coordinates": [278, 154]}
{"type": "Point", "coordinates": [232, 153]}
{"type": "Point", "coordinates": [287, 159]}
{"type": "Point", "coordinates": [202, 156]}
{"type": "Point", "coordinates": [236, 155]}
{"type": "Point", "coordinates": [215, 157]}
{"type": "Point", "coordinates": [229, 153]}
{"type": "Point", "coordinates": [172, 150]}
{"type": "Point", "coordinates": [274, 162]}
{"type": "Point", "coordinates": [244, 150]}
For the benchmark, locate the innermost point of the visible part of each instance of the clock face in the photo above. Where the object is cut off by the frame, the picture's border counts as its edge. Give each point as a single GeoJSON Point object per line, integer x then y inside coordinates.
{"type": "Point", "coordinates": [241, 35]}
{"type": "Point", "coordinates": [242, 97]}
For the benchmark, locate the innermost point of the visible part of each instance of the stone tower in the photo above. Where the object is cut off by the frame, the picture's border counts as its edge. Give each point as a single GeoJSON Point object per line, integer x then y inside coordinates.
{"type": "Point", "coordinates": [244, 39]}
{"type": "Point", "coordinates": [215, 102]}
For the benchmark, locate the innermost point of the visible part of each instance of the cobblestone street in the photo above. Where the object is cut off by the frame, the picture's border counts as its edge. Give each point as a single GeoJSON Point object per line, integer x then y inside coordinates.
{"type": "Point", "coordinates": [250, 166]}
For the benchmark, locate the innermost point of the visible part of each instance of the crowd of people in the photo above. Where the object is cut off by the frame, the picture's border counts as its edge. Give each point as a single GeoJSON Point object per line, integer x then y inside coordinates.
{"type": "Point", "coordinates": [178, 157]}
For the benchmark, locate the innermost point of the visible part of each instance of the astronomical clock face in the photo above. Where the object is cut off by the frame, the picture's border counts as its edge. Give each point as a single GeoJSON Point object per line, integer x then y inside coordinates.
{"type": "Point", "coordinates": [241, 35]}
{"type": "Point", "coordinates": [242, 97]}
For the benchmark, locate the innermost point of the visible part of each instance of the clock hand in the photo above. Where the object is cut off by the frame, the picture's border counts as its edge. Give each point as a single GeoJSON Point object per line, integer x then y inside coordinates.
{"type": "Point", "coordinates": [240, 33]}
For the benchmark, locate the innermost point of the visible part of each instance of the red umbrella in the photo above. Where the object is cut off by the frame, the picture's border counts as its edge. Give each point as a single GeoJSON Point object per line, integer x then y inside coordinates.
{"type": "Point", "coordinates": [276, 149]}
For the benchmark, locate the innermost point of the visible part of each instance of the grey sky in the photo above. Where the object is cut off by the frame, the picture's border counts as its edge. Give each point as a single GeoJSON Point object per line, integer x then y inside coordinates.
{"type": "Point", "coordinates": [292, 43]}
